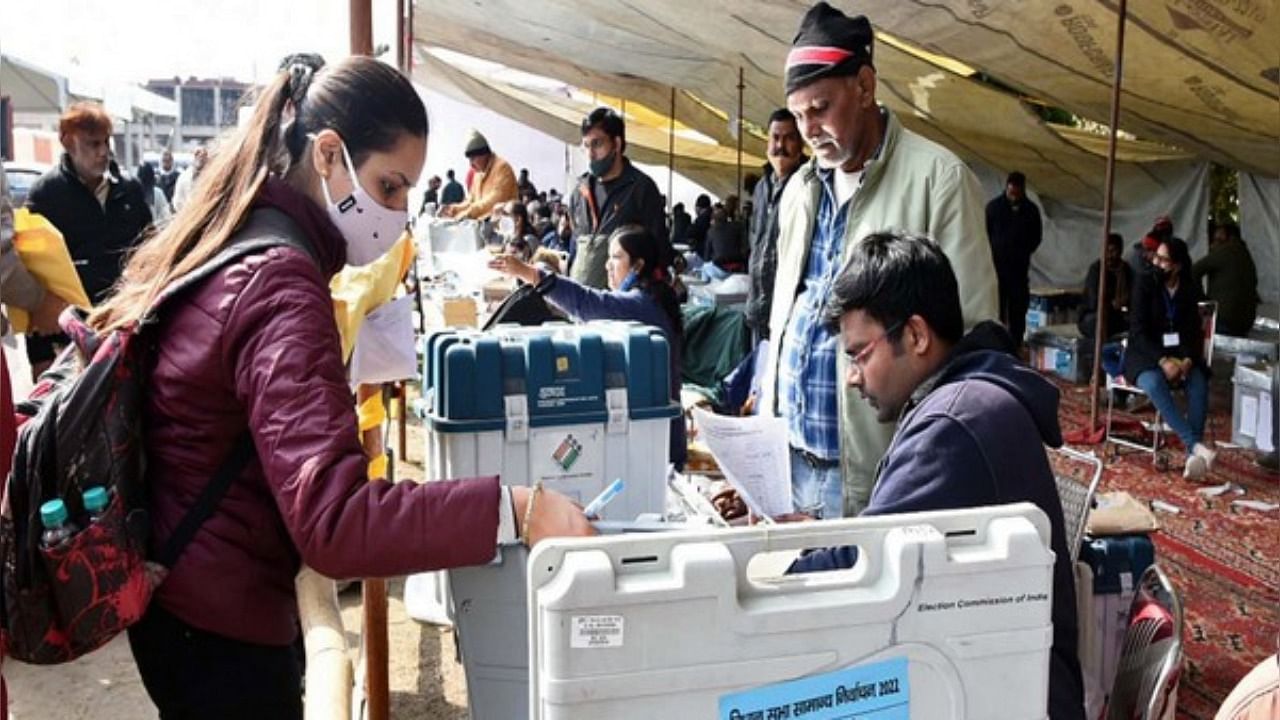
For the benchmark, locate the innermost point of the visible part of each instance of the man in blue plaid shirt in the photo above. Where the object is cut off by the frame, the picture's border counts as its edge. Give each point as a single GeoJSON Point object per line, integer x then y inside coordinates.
{"type": "Point", "coordinates": [807, 381]}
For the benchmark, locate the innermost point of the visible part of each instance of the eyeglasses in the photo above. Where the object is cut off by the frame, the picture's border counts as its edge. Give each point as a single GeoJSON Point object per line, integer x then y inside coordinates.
{"type": "Point", "coordinates": [856, 361]}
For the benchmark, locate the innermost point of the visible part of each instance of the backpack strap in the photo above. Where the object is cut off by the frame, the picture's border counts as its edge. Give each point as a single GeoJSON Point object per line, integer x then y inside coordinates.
{"type": "Point", "coordinates": [266, 228]}
{"type": "Point", "coordinates": [235, 461]}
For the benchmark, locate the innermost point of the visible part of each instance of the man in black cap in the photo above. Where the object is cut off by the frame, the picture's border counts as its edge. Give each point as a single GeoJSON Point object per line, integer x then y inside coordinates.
{"type": "Point", "coordinates": [493, 182]}
{"type": "Point", "coordinates": [868, 173]}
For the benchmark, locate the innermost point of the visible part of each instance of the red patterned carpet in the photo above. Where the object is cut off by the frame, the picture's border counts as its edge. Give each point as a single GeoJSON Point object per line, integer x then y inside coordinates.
{"type": "Point", "coordinates": [1225, 561]}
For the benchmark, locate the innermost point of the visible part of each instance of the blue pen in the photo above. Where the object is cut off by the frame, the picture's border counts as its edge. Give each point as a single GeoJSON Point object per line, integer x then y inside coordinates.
{"type": "Point", "coordinates": [594, 507]}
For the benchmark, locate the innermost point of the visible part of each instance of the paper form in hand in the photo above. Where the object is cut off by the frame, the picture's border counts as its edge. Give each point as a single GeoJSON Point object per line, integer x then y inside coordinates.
{"type": "Point", "coordinates": [753, 453]}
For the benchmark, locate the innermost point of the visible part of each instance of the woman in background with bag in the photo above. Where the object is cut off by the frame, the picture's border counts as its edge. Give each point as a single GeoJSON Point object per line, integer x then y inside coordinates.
{"type": "Point", "coordinates": [325, 165]}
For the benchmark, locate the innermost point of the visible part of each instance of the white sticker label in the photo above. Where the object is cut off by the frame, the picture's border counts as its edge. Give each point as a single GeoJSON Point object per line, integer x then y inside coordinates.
{"type": "Point", "coordinates": [596, 631]}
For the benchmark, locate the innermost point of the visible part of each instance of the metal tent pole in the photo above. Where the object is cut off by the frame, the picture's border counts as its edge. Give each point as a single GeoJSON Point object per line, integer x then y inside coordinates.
{"type": "Point", "coordinates": [671, 153]}
{"type": "Point", "coordinates": [741, 86]}
{"type": "Point", "coordinates": [1100, 325]}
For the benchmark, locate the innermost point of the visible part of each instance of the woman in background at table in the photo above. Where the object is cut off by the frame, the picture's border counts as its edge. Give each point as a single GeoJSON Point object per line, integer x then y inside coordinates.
{"type": "Point", "coordinates": [637, 291]}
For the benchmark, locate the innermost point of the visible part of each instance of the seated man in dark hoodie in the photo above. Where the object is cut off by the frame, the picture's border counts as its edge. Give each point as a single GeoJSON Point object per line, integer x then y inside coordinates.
{"type": "Point", "coordinates": [972, 420]}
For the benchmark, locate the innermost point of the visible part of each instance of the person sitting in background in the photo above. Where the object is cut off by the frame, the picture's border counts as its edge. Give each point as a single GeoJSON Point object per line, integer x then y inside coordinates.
{"type": "Point", "coordinates": [637, 291]}
{"type": "Point", "coordinates": [1166, 349]}
{"type": "Point", "coordinates": [1119, 281]}
{"type": "Point", "coordinates": [512, 221]}
{"type": "Point", "coordinates": [1232, 279]}
{"type": "Point", "coordinates": [972, 419]}
{"type": "Point", "coordinates": [1140, 256]}
{"type": "Point", "coordinates": [519, 248]}
{"type": "Point", "coordinates": [540, 218]}
{"type": "Point", "coordinates": [728, 253]}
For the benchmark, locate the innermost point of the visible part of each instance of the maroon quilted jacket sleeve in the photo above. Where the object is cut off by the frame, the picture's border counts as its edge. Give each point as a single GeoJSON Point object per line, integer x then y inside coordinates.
{"type": "Point", "coordinates": [282, 342]}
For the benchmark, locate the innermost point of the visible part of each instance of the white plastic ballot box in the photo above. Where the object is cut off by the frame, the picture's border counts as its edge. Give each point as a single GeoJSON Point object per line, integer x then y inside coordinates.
{"type": "Point", "coordinates": [945, 616]}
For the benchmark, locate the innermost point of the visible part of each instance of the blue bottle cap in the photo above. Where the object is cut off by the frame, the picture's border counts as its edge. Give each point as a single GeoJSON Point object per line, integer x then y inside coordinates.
{"type": "Point", "coordinates": [53, 513]}
{"type": "Point", "coordinates": [95, 499]}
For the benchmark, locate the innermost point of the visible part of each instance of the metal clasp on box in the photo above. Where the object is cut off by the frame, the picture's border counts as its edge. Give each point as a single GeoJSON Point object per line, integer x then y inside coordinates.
{"type": "Point", "coordinates": [517, 410]}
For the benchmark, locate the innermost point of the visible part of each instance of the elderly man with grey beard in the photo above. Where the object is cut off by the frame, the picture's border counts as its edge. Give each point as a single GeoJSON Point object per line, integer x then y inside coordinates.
{"type": "Point", "coordinates": [868, 173]}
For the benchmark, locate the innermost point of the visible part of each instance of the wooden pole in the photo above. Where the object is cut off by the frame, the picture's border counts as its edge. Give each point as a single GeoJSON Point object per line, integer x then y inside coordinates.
{"type": "Point", "coordinates": [361, 27]}
{"type": "Point", "coordinates": [401, 52]}
{"type": "Point", "coordinates": [374, 633]}
{"type": "Point", "coordinates": [408, 40]}
{"type": "Point", "coordinates": [671, 153]}
{"type": "Point", "coordinates": [377, 655]}
{"type": "Point", "coordinates": [1100, 325]}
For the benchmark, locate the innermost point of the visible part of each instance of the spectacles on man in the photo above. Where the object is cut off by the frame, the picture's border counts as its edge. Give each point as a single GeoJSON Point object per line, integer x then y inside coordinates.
{"type": "Point", "coordinates": [857, 360]}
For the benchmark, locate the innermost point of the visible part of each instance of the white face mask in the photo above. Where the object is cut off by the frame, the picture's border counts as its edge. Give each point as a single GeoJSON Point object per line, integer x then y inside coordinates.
{"type": "Point", "coordinates": [369, 228]}
{"type": "Point", "coordinates": [506, 226]}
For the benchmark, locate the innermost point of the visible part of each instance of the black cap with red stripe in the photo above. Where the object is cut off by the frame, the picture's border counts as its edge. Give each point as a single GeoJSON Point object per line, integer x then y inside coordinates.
{"type": "Point", "coordinates": [828, 44]}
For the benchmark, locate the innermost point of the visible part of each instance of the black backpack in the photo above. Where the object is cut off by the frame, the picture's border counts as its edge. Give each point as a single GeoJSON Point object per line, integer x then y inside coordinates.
{"type": "Point", "coordinates": [80, 428]}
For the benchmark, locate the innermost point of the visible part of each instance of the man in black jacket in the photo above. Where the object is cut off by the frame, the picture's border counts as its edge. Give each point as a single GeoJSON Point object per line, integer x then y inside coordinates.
{"type": "Point", "coordinates": [99, 212]}
{"type": "Point", "coordinates": [786, 153]}
{"type": "Point", "coordinates": [611, 194]}
{"type": "Point", "coordinates": [1013, 227]}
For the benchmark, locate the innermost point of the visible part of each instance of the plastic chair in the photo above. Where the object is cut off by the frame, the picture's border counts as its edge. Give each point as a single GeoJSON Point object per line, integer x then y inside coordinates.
{"type": "Point", "coordinates": [1157, 428]}
{"type": "Point", "coordinates": [1076, 497]}
{"type": "Point", "coordinates": [1146, 683]}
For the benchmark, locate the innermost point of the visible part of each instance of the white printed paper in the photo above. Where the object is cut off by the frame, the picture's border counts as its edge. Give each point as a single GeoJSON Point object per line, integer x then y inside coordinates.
{"type": "Point", "coordinates": [1264, 422]}
{"type": "Point", "coordinates": [755, 458]}
{"type": "Point", "coordinates": [385, 348]}
{"type": "Point", "coordinates": [1248, 415]}
{"type": "Point", "coordinates": [597, 631]}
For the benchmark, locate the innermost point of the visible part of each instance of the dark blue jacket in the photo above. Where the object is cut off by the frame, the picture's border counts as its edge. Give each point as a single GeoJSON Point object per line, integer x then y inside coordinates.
{"type": "Point", "coordinates": [974, 435]}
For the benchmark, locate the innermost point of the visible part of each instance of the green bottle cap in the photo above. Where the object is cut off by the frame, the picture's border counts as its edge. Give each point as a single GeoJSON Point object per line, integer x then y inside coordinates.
{"type": "Point", "coordinates": [53, 513]}
{"type": "Point", "coordinates": [95, 499]}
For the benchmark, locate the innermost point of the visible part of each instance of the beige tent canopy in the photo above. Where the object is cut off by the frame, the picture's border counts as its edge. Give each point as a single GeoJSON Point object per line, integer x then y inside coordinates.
{"type": "Point", "coordinates": [558, 115]}
{"type": "Point", "coordinates": [639, 50]}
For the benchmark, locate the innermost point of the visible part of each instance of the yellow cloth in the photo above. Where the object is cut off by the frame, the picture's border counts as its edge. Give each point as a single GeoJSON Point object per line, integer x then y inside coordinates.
{"type": "Point", "coordinates": [371, 413]}
{"type": "Point", "coordinates": [488, 190]}
{"type": "Point", "coordinates": [378, 468]}
{"type": "Point", "coordinates": [357, 290]}
{"type": "Point", "coordinates": [44, 254]}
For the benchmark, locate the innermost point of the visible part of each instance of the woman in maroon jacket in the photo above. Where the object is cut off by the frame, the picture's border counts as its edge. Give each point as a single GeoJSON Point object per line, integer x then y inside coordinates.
{"type": "Point", "coordinates": [325, 166]}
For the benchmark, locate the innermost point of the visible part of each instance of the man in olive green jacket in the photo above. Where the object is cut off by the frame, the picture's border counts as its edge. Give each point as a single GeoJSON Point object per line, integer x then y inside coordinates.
{"type": "Point", "coordinates": [868, 174]}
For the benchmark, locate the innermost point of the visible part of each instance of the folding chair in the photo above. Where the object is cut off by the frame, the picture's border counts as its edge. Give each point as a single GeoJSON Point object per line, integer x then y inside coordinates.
{"type": "Point", "coordinates": [1157, 428]}
{"type": "Point", "coordinates": [1146, 684]}
{"type": "Point", "coordinates": [1076, 496]}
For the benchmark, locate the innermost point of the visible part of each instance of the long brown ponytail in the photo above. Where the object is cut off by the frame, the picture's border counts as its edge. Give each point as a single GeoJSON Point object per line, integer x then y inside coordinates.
{"type": "Point", "coordinates": [368, 103]}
